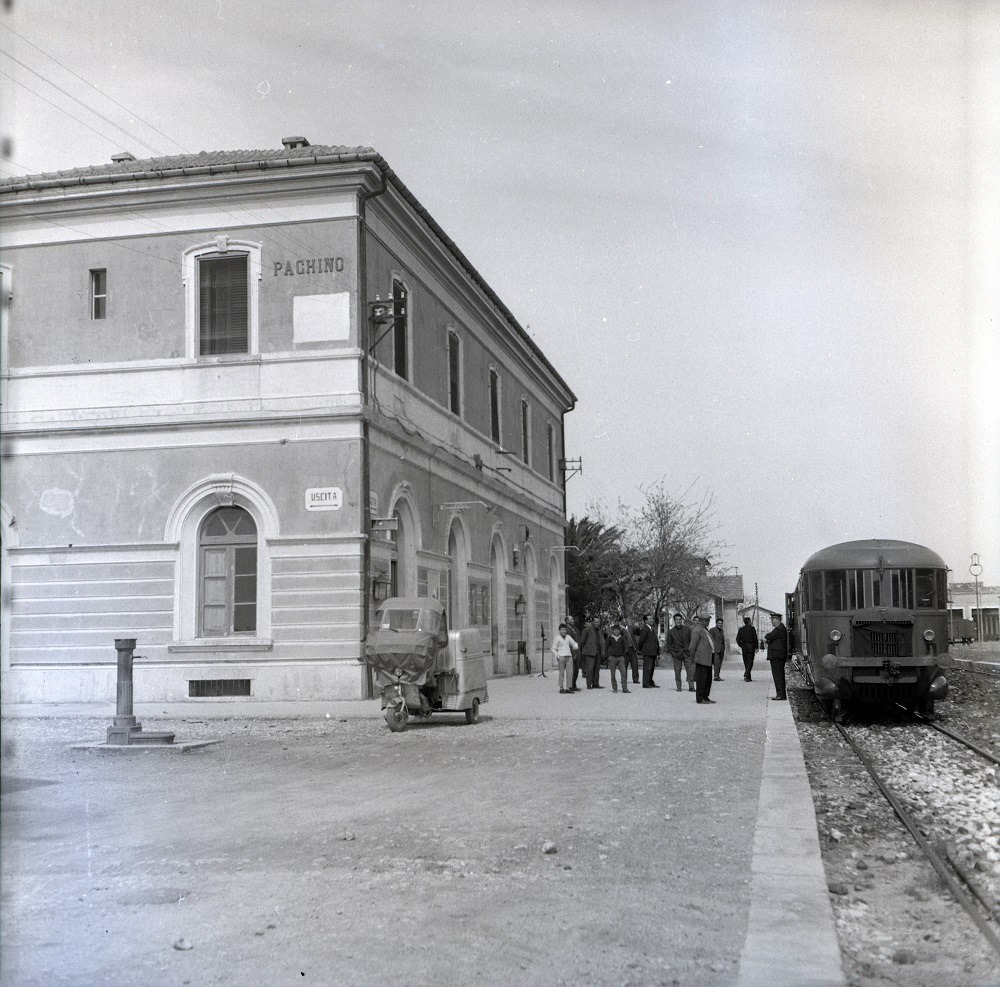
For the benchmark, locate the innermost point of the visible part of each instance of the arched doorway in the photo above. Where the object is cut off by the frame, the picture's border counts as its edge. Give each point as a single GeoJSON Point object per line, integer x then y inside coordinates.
{"type": "Point", "coordinates": [555, 600]}
{"type": "Point", "coordinates": [403, 560]}
{"type": "Point", "coordinates": [498, 606]}
{"type": "Point", "coordinates": [531, 626]}
{"type": "Point", "coordinates": [458, 576]}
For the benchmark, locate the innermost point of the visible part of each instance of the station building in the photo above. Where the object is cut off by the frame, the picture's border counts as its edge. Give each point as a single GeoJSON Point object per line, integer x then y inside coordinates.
{"type": "Point", "coordinates": [247, 395]}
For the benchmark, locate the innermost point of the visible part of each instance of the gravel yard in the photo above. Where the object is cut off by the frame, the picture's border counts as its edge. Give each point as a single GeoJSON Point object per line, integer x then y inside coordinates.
{"type": "Point", "coordinates": [896, 920]}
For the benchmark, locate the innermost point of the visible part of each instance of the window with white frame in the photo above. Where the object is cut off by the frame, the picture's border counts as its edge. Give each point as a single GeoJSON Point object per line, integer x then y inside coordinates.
{"type": "Point", "coordinates": [550, 434]}
{"type": "Point", "coordinates": [454, 372]}
{"type": "Point", "coordinates": [525, 431]}
{"type": "Point", "coordinates": [400, 330]}
{"type": "Point", "coordinates": [98, 293]}
{"type": "Point", "coordinates": [221, 297]}
{"type": "Point", "coordinates": [227, 555]}
{"type": "Point", "coordinates": [494, 405]}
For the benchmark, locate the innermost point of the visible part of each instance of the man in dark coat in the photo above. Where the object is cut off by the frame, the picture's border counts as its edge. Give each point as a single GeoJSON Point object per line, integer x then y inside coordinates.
{"type": "Point", "coordinates": [718, 648]}
{"type": "Point", "coordinates": [777, 654]}
{"type": "Point", "coordinates": [631, 653]}
{"type": "Point", "coordinates": [746, 641]}
{"type": "Point", "coordinates": [648, 646]}
{"type": "Point", "coordinates": [590, 649]}
{"type": "Point", "coordinates": [678, 639]}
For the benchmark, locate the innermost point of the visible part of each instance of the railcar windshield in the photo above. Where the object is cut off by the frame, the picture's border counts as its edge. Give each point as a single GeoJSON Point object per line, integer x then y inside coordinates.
{"type": "Point", "coordinates": [840, 590]}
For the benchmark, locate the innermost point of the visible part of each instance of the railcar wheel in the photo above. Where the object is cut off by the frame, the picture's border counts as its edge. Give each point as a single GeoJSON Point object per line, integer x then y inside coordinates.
{"type": "Point", "coordinates": [396, 717]}
{"type": "Point", "coordinates": [472, 713]}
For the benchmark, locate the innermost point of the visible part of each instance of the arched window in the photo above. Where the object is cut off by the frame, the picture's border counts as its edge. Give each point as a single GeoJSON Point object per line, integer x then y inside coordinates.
{"type": "Point", "coordinates": [227, 568]}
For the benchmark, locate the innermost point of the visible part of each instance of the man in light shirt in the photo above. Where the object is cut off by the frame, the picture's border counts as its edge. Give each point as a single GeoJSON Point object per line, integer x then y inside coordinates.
{"type": "Point", "coordinates": [562, 650]}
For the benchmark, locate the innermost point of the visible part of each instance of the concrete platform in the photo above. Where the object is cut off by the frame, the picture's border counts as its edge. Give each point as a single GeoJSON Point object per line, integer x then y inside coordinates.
{"type": "Point", "coordinates": [769, 847]}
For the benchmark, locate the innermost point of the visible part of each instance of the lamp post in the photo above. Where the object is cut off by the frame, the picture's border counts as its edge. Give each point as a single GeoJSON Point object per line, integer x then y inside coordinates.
{"type": "Point", "coordinates": [976, 570]}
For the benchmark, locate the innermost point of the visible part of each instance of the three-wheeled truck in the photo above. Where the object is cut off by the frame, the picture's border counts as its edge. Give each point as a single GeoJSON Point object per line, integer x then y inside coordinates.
{"type": "Point", "coordinates": [420, 666]}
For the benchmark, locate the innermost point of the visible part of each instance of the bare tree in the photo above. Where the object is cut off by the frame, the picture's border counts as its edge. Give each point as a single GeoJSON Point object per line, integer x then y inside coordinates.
{"type": "Point", "coordinates": [672, 551]}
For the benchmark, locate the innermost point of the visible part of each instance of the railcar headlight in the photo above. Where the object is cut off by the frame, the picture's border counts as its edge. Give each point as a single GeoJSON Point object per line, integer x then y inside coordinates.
{"type": "Point", "coordinates": [835, 635]}
{"type": "Point", "coordinates": [929, 635]}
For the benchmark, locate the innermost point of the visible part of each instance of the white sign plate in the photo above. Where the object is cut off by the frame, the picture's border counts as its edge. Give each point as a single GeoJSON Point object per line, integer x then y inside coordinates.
{"type": "Point", "coordinates": [324, 498]}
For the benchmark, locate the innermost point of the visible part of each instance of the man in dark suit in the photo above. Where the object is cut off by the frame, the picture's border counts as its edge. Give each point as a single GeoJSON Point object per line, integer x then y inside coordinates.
{"type": "Point", "coordinates": [631, 654]}
{"type": "Point", "coordinates": [678, 639]}
{"type": "Point", "coordinates": [718, 648]}
{"type": "Point", "coordinates": [590, 649]}
{"type": "Point", "coordinates": [777, 654]}
{"type": "Point", "coordinates": [746, 641]}
{"type": "Point", "coordinates": [648, 646]}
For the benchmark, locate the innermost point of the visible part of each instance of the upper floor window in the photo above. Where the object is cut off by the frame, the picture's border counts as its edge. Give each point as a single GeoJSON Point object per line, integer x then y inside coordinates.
{"type": "Point", "coordinates": [525, 432]}
{"type": "Point", "coordinates": [227, 556]}
{"type": "Point", "coordinates": [221, 304]}
{"type": "Point", "coordinates": [494, 406]}
{"type": "Point", "coordinates": [454, 373]}
{"type": "Point", "coordinates": [400, 302]}
{"type": "Point", "coordinates": [550, 433]}
{"type": "Point", "coordinates": [98, 293]}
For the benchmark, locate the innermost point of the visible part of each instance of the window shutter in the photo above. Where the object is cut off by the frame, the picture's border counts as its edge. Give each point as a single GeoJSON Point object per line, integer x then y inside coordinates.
{"type": "Point", "coordinates": [224, 305]}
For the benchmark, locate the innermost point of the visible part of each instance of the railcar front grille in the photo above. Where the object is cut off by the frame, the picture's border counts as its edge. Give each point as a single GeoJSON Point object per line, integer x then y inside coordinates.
{"type": "Point", "coordinates": [882, 640]}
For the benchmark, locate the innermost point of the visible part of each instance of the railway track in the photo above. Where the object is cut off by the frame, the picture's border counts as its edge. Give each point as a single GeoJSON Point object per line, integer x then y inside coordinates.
{"type": "Point", "coordinates": [950, 804]}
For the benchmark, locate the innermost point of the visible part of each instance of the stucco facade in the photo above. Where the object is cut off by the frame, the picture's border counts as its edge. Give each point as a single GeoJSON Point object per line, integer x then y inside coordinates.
{"type": "Point", "coordinates": [208, 437]}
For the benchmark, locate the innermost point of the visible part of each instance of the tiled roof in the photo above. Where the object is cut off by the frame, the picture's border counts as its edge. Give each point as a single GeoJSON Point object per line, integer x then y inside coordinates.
{"type": "Point", "coordinates": [155, 167]}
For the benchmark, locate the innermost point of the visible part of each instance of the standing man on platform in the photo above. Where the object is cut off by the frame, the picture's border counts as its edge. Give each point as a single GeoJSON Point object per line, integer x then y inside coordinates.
{"type": "Point", "coordinates": [631, 652]}
{"type": "Point", "coordinates": [590, 651]}
{"type": "Point", "coordinates": [701, 650]}
{"type": "Point", "coordinates": [649, 647]}
{"type": "Point", "coordinates": [678, 639]}
{"type": "Point", "coordinates": [746, 641]}
{"type": "Point", "coordinates": [777, 654]}
{"type": "Point", "coordinates": [616, 655]}
{"type": "Point", "coordinates": [718, 648]}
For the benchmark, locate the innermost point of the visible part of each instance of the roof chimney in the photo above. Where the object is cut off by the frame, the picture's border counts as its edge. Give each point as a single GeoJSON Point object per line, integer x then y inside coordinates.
{"type": "Point", "coordinates": [123, 156]}
{"type": "Point", "coordinates": [290, 142]}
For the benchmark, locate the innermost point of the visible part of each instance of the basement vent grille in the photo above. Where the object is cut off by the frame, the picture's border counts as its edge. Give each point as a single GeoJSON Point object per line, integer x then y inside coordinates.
{"type": "Point", "coordinates": [210, 688]}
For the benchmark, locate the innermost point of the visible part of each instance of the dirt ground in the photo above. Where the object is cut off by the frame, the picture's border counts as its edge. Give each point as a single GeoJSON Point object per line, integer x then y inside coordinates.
{"type": "Point", "coordinates": [321, 851]}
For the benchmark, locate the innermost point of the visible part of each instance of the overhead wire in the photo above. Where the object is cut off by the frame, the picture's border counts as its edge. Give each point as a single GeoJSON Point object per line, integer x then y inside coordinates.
{"type": "Point", "coordinates": [286, 236]}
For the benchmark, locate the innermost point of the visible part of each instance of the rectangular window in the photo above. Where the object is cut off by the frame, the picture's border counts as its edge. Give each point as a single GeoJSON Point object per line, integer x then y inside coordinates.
{"type": "Point", "coordinates": [494, 406]}
{"type": "Point", "coordinates": [901, 583]}
{"type": "Point", "coordinates": [223, 305]}
{"type": "Point", "coordinates": [399, 324]}
{"type": "Point", "coordinates": [816, 590]}
{"type": "Point", "coordinates": [525, 433]}
{"type": "Point", "coordinates": [927, 590]}
{"type": "Point", "coordinates": [876, 584]}
{"type": "Point", "coordinates": [454, 374]}
{"type": "Point", "coordinates": [856, 586]}
{"type": "Point", "coordinates": [99, 293]}
{"type": "Point", "coordinates": [835, 585]}
{"type": "Point", "coordinates": [551, 436]}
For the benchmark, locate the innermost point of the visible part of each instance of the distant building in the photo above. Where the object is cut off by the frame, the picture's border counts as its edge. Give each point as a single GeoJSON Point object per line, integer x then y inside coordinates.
{"type": "Point", "coordinates": [216, 441]}
{"type": "Point", "coordinates": [962, 603]}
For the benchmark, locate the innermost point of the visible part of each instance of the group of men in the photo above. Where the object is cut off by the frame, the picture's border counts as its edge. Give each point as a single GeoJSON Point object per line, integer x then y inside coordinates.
{"type": "Point", "coordinates": [695, 650]}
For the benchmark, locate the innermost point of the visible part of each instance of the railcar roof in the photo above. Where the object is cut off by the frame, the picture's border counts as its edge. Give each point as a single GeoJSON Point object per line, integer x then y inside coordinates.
{"type": "Point", "coordinates": [873, 552]}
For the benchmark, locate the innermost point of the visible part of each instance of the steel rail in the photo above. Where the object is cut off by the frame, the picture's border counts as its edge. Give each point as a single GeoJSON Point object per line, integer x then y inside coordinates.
{"type": "Point", "coordinates": [964, 741]}
{"type": "Point", "coordinates": [961, 893]}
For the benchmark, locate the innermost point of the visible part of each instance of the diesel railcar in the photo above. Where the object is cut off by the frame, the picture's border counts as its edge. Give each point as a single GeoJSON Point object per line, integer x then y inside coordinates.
{"type": "Point", "coordinates": [870, 621]}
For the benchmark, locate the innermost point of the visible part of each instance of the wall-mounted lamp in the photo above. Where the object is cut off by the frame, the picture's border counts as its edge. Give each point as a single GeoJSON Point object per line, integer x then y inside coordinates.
{"type": "Point", "coordinates": [380, 587]}
{"type": "Point", "coordinates": [520, 606]}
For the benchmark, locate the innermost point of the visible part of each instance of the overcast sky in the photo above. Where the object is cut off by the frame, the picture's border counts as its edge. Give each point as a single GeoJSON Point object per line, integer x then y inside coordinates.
{"type": "Point", "coordinates": [759, 240]}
